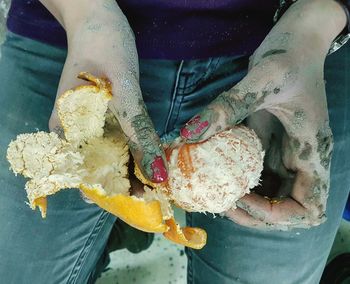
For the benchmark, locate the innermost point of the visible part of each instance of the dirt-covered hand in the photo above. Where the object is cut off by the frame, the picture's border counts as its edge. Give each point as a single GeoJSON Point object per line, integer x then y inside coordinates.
{"type": "Point", "coordinates": [285, 80]}
{"type": "Point", "coordinates": [102, 43]}
{"type": "Point", "coordinates": [294, 93]}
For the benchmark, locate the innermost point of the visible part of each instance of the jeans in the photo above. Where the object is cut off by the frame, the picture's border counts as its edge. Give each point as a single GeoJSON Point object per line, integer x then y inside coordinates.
{"type": "Point", "coordinates": [66, 246]}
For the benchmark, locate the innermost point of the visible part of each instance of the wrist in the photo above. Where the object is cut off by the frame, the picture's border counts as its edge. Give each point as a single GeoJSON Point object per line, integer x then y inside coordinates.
{"type": "Point", "coordinates": [314, 24]}
{"type": "Point", "coordinates": [74, 15]}
{"type": "Point", "coordinates": [325, 18]}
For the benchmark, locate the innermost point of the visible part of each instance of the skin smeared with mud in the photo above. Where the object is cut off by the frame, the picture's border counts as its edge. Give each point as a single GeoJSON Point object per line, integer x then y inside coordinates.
{"type": "Point", "coordinates": [286, 80]}
{"type": "Point", "coordinates": [280, 81]}
{"type": "Point", "coordinates": [273, 52]}
{"type": "Point", "coordinates": [152, 159]}
{"type": "Point", "coordinates": [59, 131]}
{"type": "Point", "coordinates": [306, 152]}
{"type": "Point", "coordinates": [299, 118]}
{"type": "Point", "coordinates": [109, 50]}
{"type": "Point", "coordinates": [295, 143]}
{"type": "Point", "coordinates": [233, 109]}
{"type": "Point", "coordinates": [276, 90]}
{"type": "Point", "coordinates": [324, 145]}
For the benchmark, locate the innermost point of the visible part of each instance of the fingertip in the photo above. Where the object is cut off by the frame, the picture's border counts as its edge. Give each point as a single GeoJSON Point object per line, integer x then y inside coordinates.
{"type": "Point", "coordinates": [153, 166]}
{"type": "Point", "coordinates": [159, 172]}
{"type": "Point", "coordinates": [195, 127]}
{"type": "Point", "coordinates": [242, 218]}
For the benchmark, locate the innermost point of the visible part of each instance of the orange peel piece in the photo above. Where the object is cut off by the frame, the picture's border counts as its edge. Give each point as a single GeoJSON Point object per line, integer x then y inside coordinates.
{"type": "Point", "coordinates": [192, 237]}
{"type": "Point", "coordinates": [145, 216]}
{"type": "Point", "coordinates": [70, 163]}
{"type": "Point", "coordinates": [82, 110]}
{"type": "Point", "coordinates": [101, 83]}
{"type": "Point", "coordinates": [41, 202]}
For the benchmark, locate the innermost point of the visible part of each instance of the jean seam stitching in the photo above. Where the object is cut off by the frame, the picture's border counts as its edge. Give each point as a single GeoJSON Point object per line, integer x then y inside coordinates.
{"type": "Point", "coordinates": [209, 70]}
{"type": "Point", "coordinates": [88, 244]}
{"type": "Point", "coordinates": [178, 110]}
{"type": "Point", "coordinates": [173, 98]}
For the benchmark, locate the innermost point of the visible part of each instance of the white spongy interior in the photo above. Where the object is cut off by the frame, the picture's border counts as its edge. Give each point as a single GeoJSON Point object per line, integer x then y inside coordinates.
{"type": "Point", "coordinates": [82, 114]}
{"type": "Point", "coordinates": [225, 167]}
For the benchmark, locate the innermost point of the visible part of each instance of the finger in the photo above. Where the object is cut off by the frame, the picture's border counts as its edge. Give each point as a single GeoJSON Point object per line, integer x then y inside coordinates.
{"type": "Point", "coordinates": [232, 107]}
{"type": "Point", "coordinates": [225, 111]}
{"type": "Point", "coordinates": [128, 106]}
{"type": "Point", "coordinates": [270, 131]}
{"type": "Point", "coordinates": [265, 126]}
{"type": "Point", "coordinates": [270, 210]}
{"type": "Point", "coordinates": [307, 149]}
{"type": "Point", "coordinates": [241, 217]}
{"type": "Point", "coordinates": [304, 207]}
{"type": "Point", "coordinates": [283, 213]}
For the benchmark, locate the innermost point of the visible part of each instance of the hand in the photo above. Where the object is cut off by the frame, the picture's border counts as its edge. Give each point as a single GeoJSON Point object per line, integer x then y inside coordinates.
{"type": "Point", "coordinates": [295, 94]}
{"type": "Point", "coordinates": [102, 43]}
{"type": "Point", "coordinates": [286, 81]}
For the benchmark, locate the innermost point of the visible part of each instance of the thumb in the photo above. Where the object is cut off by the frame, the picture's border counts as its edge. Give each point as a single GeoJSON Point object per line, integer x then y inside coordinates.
{"type": "Point", "coordinates": [130, 110]}
{"type": "Point", "coordinates": [146, 148]}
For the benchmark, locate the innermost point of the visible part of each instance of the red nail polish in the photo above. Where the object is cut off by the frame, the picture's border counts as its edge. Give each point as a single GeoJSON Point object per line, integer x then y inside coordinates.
{"type": "Point", "coordinates": [194, 120]}
{"type": "Point", "coordinates": [159, 171]}
{"type": "Point", "coordinates": [194, 127]}
{"type": "Point", "coordinates": [185, 133]}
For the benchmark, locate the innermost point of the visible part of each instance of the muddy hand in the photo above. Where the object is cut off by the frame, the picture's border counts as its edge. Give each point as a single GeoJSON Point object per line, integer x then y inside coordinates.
{"type": "Point", "coordinates": [100, 41]}
{"type": "Point", "coordinates": [144, 143]}
{"type": "Point", "coordinates": [297, 98]}
{"type": "Point", "coordinates": [285, 80]}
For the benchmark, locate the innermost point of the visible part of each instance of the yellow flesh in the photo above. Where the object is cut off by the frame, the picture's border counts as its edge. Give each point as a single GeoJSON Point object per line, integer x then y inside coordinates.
{"type": "Point", "coordinates": [195, 238]}
{"type": "Point", "coordinates": [42, 204]}
{"type": "Point", "coordinates": [143, 215]}
{"type": "Point", "coordinates": [136, 212]}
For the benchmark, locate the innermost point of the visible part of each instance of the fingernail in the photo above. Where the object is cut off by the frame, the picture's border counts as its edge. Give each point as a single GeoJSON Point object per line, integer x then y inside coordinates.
{"type": "Point", "coordinates": [194, 128]}
{"type": "Point", "coordinates": [158, 169]}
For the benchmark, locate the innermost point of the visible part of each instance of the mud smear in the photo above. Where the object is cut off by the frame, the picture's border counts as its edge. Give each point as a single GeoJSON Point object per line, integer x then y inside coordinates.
{"type": "Point", "coordinates": [306, 152]}
{"type": "Point", "coordinates": [295, 144]}
{"type": "Point", "coordinates": [299, 118]}
{"type": "Point", "coordinates": [324, 145]}
{"type": "Point", "coordinates": [318, 196]}
{"type": "Point", "coordinates": [273, 52]}
{"type": "Point", "coordinates": [276, 90]}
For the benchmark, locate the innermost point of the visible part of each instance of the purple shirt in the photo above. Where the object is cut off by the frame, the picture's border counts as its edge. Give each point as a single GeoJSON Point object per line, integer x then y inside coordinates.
{"type": "Point", "coordinates": [167, 29]}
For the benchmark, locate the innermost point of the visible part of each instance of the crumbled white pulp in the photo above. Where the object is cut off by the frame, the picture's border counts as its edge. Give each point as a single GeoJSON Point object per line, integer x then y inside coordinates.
{"type": "Point", "coordinates": [225, 167]}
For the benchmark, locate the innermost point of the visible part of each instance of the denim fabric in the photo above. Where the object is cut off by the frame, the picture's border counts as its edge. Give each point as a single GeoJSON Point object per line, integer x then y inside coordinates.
{"type": "Point", "coordinates": [235, 254]}
{"type": "Point", "coordinates": [65, 247]}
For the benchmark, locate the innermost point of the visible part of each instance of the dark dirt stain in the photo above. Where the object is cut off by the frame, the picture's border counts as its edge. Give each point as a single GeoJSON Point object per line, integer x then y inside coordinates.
{"type": "Point", "coordinates": [306, 151]}
{"type": "Point", "coordinates": [295, 143]}
{"type": "Point", "coordinates": [299, 114]}
{"type": "Point", "coordinates": [250, 98]}
{"type": "Point", "coordinates": [273, 52]}
{"type": "Point", "coordinates": [324, 146]}
{"type": "Point", "coordinates": [276, 90]}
